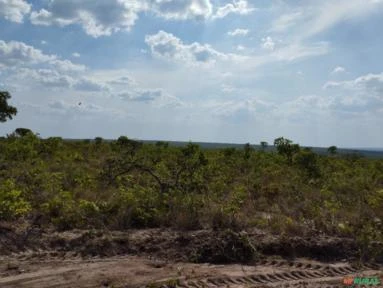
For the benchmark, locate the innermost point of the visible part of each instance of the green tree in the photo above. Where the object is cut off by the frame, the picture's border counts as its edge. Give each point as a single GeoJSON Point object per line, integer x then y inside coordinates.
{"type": "Point", "coordinates": [21, 132]}
{"type": "Point", "coordinates": [307, 160]}
{"type": "Point", "coordinates": [98, 140]}
{"type": "Point", "coordinates": [6, 111]}
{"type": "Point", "coordinates": [286, 147]}
{"type": "Point", "coordinates": [247, 151]}
{"type": "Point", "coordinates": [264, 145]}
{"type": "Point", "coordinates": [332, 150]}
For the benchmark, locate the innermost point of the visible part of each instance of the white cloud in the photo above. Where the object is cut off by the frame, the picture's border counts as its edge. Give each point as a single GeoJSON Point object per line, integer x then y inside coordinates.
{"type": "Point", "coordinates": [238, 32]}
{"type": "Point", "coordinates": [237, 110]}
{"type": "Point", "coordinates": [268, 43]}
{"type": "Point", "coordinates": [182, 9]}
{"type": "Point", "coordinates": [305, 105]}
{"type": "Point", "coordinates": [241, 48]}
{"type": "Point", "coordinates": [240, 7]}
{"type": "Point", "coordinates": [89, 85]}
{"type": "Point", "coordinates": [361, 94]}
{"type": "Point", "coordinates": [168, 46]}
{"type": "Point", "coordinates": [309, 18]}
{"type": "Point", "coordinates": [54, 79]}
{"type": "Point", "coordinates": [105, 17]}
{"type": "Point", "coordinates": [97, 19]}
{"type": "Point", "coordinates": [16, 53]}
{"type": "Point", "coordinates": [338, 70]}
{"type": "Point", "coordinates": [330, 13]}
{"type": "Point", "coordinates": [285, 21]}
{"type": "Point", "coordinates": [141, 95]}
{"type": "Point", "coordinates": [46, 78]}
{"type": "Point", "coordinates": [76, 55]}
{"type": "Point", "coordinates": [43, 42]}
{"type": "Point", "coordinates": [66, 65]}
{"type": "Point", "coordinates": [298, 51]}
{"type": "Point", "coordinates": [128, 89]}
{"type": "Point", "coordinates": [77, 109]}
{"type": "Point", "coordinates": [366, 83]}
{"type": "Point", "coordinates": [14, 10]}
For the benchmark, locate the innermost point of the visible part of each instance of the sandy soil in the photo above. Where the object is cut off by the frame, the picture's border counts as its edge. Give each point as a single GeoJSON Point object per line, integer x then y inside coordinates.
{"type": "Point", "coordinates": [133, 271]}
{"type": "Point", "coordinates": [163, 258]}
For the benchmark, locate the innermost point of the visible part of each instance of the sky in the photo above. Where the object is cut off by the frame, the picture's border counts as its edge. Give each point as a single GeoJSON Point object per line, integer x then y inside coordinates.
{"type": "Point", "coordinates": [233, 71]}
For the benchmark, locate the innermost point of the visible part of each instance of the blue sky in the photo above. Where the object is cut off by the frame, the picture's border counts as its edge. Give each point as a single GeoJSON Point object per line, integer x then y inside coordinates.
{"type": "Point", "coordinates": [201, 70]}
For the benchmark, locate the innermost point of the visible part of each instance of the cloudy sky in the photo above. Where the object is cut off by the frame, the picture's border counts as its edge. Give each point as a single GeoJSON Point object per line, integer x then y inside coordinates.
{"type": "Point", "coordinates": [202, 70]}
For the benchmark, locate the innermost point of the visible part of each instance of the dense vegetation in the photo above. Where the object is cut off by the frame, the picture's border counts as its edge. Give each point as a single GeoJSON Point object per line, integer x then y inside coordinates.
{"type": "Point", "coordinates": [126, 184]}
{"type": "Point", "coordinates": [123, 184]}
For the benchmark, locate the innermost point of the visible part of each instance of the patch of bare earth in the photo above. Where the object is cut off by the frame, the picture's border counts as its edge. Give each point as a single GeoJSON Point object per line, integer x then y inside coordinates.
{"type": "Point", "coordinates": [167, 258]}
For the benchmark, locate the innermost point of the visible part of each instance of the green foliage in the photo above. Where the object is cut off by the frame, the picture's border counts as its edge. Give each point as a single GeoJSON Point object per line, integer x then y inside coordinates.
{"type": "Point", "coordinates": [332, 150]}
{"type": "Point", "coordinates": [6, 111]}
{"type": "Point", "coordinates": [286, 147]}
{"type": "Point", "coordinates": [123, 184]}
{"type": "Point", "coordinates": [12, 202]}
{"type": "Point", "coordinates": [264, 145]}
{"type": "Point", "coordinates": [308, 162]}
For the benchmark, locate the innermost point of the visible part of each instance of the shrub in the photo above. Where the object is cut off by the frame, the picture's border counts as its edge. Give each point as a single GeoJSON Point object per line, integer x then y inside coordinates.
{"type": "Point", "coordinates": [12, 202]}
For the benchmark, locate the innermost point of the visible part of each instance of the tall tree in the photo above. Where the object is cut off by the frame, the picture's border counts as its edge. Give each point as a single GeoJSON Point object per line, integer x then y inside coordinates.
{"type": "Point", "coordinates": [6, 111]}
{"type": "Point", "coordinates": [286, 147]}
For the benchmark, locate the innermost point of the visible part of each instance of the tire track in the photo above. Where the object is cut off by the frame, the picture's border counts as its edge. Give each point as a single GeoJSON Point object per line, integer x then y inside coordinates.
{"type": "Point", "coordinates": [302, 275]}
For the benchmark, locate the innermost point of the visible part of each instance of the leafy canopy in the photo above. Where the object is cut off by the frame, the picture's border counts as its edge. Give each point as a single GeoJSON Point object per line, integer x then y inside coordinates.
{"type": "Point", "coordinates": [6, 111]}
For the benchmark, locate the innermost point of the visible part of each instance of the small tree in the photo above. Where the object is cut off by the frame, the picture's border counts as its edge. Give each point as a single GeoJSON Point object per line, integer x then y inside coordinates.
{"type": "Point", "coordinates": [264, 145]}
{"type": "Point", "coordinates": [332, 150]}
{"type": "Point", "coordinates": [247, 150]}
{"type": "Point", "coordinates": [6, 111]}
{"type": "Point", "coordinates": [98, 140]}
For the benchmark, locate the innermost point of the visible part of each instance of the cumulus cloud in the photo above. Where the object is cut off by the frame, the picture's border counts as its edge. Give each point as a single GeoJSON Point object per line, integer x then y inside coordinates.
{"type": "Point", "coordinates": [129, 90]}
{"type": "Point", "coordinates": [366, 83]}
{"type": "Point", "coordinates": [305, 105]}
{"type": "Point", "coordinates": [168, 46]}
{"type": "Point", "coordinates": [14, 10]}
{"type": "Point", "coordinates": [141, 95]}
{"type": "Point", "coordinates": [97, 18]}
{"type": "Point", "coordinates": [82, 109]}
{"type": "Point", "coordinates": [76, 55]}
{"type": "Point", "coordinates": [268, 43]}
{"type": "Point", "coordinates": [338, 70]}
{"type": "Point", "coordinates": [182, 9]}
{"type": "Point", "coordinates": [105, 17]}
{"type": "Point", "coordinates": [47, 78]}
{"type": "Point", "coordinates": [237, 110]}
{"type": "Point", "coordinates": [362, 93]}
{"type": "Point", "coordinates": [89, 85]}
{"type": "Point", "coordinates": [240, 7]}
{"type": "Point", "coordinates": [54, 79]}
{"type": "Point", "coordinates": [16, 53]}
{"type": "Point", "coordinates": [238, 32]}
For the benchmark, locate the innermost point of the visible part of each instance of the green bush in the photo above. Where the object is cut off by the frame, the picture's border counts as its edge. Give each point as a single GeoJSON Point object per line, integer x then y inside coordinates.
{"type": "Point", "coordinates": [12, 202]}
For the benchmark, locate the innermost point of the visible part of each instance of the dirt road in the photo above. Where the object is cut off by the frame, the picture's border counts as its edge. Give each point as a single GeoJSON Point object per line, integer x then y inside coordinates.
{"type": "Point", "coordinates": [131, 271]}
{"type": "Point", "coordinates": [154, 258]}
